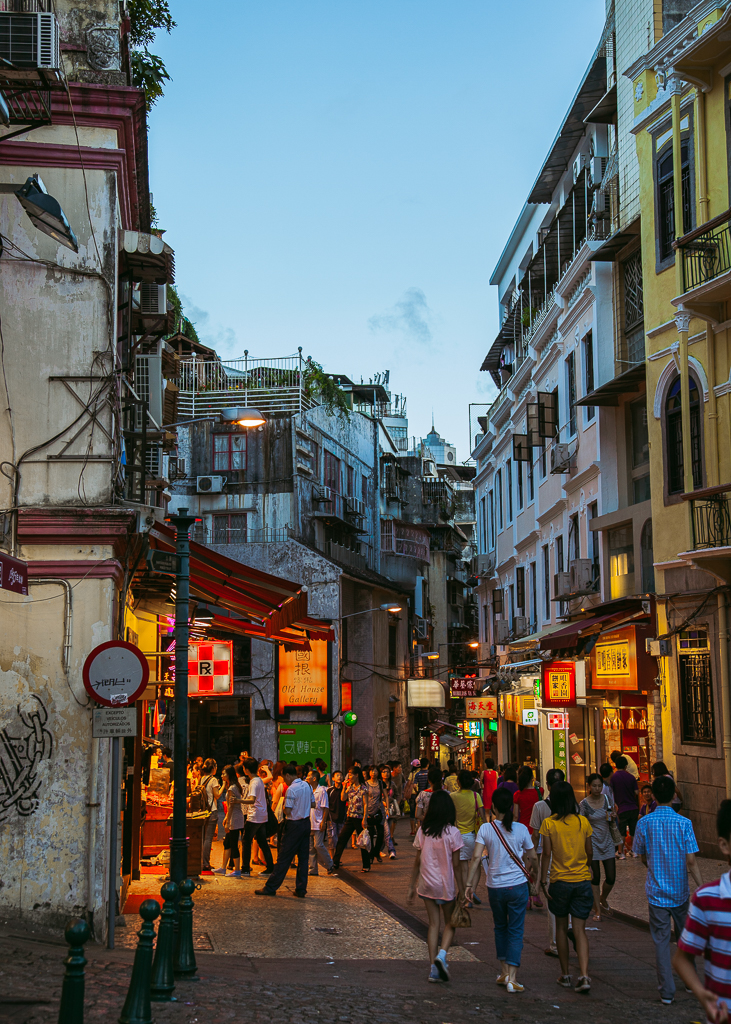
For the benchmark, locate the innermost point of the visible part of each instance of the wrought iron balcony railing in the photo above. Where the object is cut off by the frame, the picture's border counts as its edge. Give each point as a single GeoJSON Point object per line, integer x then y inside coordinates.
{"type": "Point", "coordinates": [706, 251]}
{"type": "Point", "coordinates": [711, 517]}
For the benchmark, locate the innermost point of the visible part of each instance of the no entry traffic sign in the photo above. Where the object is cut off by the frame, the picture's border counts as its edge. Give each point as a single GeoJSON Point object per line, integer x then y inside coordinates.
{"type": "Point", "coordinates": [116, 673]}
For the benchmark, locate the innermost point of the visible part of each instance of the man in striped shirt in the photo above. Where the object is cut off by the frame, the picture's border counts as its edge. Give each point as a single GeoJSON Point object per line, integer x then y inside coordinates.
{"type": "Point", "coordinates": [707, 933]}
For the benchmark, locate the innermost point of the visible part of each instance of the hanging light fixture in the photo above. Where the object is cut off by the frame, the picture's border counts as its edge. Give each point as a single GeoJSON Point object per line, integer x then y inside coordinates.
{"type": "Point", "coordinates": [45, 212]}
{"type": "Point", "coordinates": [245, 417]}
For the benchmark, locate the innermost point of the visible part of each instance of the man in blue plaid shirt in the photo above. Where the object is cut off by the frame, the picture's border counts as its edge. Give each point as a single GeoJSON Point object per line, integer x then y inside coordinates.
{"type": "Point", "coordinates": [666, 842]}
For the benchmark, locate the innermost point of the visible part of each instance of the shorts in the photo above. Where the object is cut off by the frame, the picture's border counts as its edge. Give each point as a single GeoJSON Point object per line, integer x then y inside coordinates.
{"type": "Point", "coordinates": [574, 898]}
{"type": "Point", "coordinates": [468, 846]}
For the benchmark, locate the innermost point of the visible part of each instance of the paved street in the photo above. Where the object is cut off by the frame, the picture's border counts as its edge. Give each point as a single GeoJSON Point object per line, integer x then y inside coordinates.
{"type": "Point", "coordinates": [347, 953]}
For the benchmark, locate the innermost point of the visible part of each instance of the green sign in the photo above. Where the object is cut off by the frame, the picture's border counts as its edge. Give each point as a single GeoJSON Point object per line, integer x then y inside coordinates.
{"type": "Point", "coordinates": [559, 750]}
{"type": "Point", "coordinates": [304, 741]}
{"type": "Point", "coordinates": [537, 689]}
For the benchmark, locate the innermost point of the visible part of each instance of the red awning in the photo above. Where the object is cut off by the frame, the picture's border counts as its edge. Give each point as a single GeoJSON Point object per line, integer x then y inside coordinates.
{"type": "Point", "coordinates": [569, 635]}
{"type": "Point", "coordinates": [268, 602]}
{"type": "Point", "coordinates": [240, 626]}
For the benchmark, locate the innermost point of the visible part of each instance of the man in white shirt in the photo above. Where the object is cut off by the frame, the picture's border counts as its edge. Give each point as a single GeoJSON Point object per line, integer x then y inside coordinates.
{"type": "Point", "coordinates": [298, 802]}
{"type": "Point", "coordinates": [256, 819]}
{"type": "Point", "coordinates": [631, 764]}
{"type": "Point", "coordinates": [319, 817]}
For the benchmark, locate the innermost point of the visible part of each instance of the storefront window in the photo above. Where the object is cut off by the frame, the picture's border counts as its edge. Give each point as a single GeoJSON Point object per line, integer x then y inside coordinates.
{"type": "Point", "coordinates": [221, 728]}
{"type": "Point", "coordinates": [621, 562]}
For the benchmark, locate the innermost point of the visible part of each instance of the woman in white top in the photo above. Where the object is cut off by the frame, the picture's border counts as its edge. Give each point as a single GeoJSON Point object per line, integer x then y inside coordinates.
{"type": "Point", "coordinates": [233, 823]}
{"type": "Point", "coordinates": [507, 845]}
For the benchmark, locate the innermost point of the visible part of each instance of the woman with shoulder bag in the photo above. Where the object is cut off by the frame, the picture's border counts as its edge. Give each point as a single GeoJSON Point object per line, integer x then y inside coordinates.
{"type": "Point", "coordinates": [507, 845]}
{"type": "Point", "coordinates": [376, 815]}
{"type": "Point", "coordinates": [357, 819]}
{"type": "Point", "coordinates": [233, 823]}
{"type": "Point", "coordinates": [601, 814]}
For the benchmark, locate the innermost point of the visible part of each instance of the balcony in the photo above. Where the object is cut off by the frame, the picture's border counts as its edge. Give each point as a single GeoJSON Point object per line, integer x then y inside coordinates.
{"type": "Point", "coordinates": [711, 531]}
{"type": "Point", "coordinates": [270, 385]}
{"type": "Point", "coordinates": [337, 509]}
{"type": "Point", "coordinates": [705, 255]}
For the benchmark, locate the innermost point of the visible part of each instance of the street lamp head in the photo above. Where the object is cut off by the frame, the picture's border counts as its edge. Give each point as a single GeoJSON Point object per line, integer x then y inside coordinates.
{"type": "Point", "coordinates": [245, 417]}
{"type": "Point", "coordinates": [474, 644]}
{"type": "Point", "coordinates": [46, 213]}
{"type": "Point", "coordinates": [391, 608]}
{"type": "Point", "coordinates": [431, 655]}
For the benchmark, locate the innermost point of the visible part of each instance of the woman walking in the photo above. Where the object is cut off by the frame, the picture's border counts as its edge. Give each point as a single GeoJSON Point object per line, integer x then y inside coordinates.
{"type": "Point", "coordinates": [507, 845]}
{"type": "Point", "coordinates": [567, 850]}
{"type": "Point", "coordinates": [357, 819]}
{"type": "Point", "coordinates": [510, 779]}
{"type": "Point", "coordinates": [376, 814]}
{"type": "Point", "coordinates": [233, 823]}
{"type": "Point", "coordinates": [489, 783]}
{"type": "Point", "coordinates": [390, 810]}
{"type": "Point", "coordinates": [437, 877]}
{"type": "Point", "coordinates": [599, 811]}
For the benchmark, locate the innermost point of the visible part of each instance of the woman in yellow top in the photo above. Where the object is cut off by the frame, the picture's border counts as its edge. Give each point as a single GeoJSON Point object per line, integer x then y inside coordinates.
{"type": "Point", "coordinates": [567, 851]}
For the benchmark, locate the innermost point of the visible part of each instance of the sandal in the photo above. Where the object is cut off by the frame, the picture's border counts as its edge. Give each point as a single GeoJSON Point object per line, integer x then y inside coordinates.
{"type": "Point", "coordinates": [596, 917]}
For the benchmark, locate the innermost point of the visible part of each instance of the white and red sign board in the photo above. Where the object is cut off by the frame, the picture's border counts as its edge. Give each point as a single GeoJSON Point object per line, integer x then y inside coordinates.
{"type": "Point", "coordinates": [210, 668]}
{"type": "Point", "coordinates": [557, 720]}
{"type": "Point", "coordinates": [116, 673]}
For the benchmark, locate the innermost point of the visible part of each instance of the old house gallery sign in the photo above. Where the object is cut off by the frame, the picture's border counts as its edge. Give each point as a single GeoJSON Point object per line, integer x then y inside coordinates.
{"type": "Point", "coordinates": [303, 679]}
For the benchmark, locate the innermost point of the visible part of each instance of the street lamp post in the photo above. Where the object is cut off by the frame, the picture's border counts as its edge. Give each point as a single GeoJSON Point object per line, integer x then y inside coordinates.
{"type": "Point", "coordinates": [178, 838]}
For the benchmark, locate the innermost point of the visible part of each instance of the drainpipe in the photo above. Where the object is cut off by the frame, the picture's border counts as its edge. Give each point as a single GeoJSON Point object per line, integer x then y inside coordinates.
{"type": "Point", "coordinates": [723, 639]}
{"type": "Point", "coordinates": [67, 614]}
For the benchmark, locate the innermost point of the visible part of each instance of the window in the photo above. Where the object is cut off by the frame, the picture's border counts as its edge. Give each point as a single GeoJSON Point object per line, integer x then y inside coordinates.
{"type": "Point", "coordinates": [531, 483]}
{"type": "Point", "coordinates": [509, 488]}
{"type": "Point", "coordinates": [229, 529]}
{"type": "Point", "coordinates": [332, 472]}
{"type": "Point", "coordinates": [589, 373]}
{"type": "Point", "coordinates": [593, 538]}
{"type": "Point", "coordinates": [640, 454]}
{"type": "Point", "coordinates": [520, 588]}
{"type": "Point", "coordinates": [512, 604]}
{"type": "Point", "coordinates": [674, 437]}
{"type": "Point", "coordinates": [634, 309]}
{"type": "Point", "coordinates": [392, 643]}
{"type": "Point", "coordinates": [559, 554]}
{"type": "Point", "coordinates": [499, 498]}
{"type": "Point", "coordinates": [546, 584]}
{"type": "Point", "coordinates": [483, 524]}
{"type": "Point", "coordinates": [543, 458]}
{"type": "Point", "coordinates": [491, 519]}
{"type": "Point", "coordinates": [571, 392]}
{"type": "Point", "coordinates": [351, 481]}
{"type": "Point", "coordinates": [696, 688]}
{"type": "Point", "coordinates": [519, 481]}
{"type": "Point", "coordinates": [574, 543]}
{"type": "Point", "coordinates": [648, 559]}
{"type": "Point", "coordinates": [364, 490]}
{"type": "Point", "coordinates": [621, 562]}
{"type": "Point", "coordinates": [229, 451]}
{"type": "Point", "coordinates": [533, 595]}
{"type": "Point", "coordinates": [666, 196]}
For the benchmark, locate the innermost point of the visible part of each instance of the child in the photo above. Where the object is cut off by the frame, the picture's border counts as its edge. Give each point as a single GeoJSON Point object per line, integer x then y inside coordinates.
{"type": "Point", "coordinates": [705, 934]}
{"type": "Point", "coordinates": [649, 803]}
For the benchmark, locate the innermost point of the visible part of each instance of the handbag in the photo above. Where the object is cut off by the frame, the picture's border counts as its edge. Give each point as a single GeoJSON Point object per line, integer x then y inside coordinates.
{"type": "Point", "coordinates": [279, 810]}
{"type": "Point", "coordinates": [364, 840]}
{"type": "Point", "coordinates": [460, 916]}
{"type": "Point", "coordinates": [528, 877]}
{"type": "Point", "coordinates": [478, 820]}
{"type": "Point", "coordinates": [613, 826]}
{"type": "Point", "coordinates": [394, 811]}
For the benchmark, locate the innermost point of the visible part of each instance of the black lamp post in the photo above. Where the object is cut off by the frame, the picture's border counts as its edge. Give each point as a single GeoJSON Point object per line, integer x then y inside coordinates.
{"type": "Point", "coordinates": [178, 838]}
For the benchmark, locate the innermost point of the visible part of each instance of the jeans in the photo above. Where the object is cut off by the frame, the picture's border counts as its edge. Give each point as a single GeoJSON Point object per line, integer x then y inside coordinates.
{"type": "Point", "coordinates": [508, 907]}
{"type": "Point", "coordinates": [660, 918]}
{"type": "Point", "coordinates": [208, 834]}
{"type": "Point", "coordinates": [295, 843]}
{"type": "Point", "coordinates": [351, 825]}
{"type": "Point", "coordinates": [334, 831]}
{"type": "Point", "coordinates": [256, 830]}
{"type": "Point", "coordinates": [318, 851]}
{"type": "Point", "coordinates": [387, 836]}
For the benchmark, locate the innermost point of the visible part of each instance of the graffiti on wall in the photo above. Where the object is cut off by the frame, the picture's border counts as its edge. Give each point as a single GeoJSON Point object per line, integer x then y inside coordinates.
{"type": "Point", "coordinates": [24, 743]}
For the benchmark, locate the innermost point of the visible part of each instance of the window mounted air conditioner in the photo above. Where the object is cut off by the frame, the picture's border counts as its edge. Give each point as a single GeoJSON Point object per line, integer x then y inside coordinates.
{"type": "Point", "coordinates": [582, 575]}
{"type": "Point", "coordinates": [209, 484]}
{"type": "Point", "coordinates": [560, 459]}
{"type": "Point", "coordinates": [153, 299]}
{"type": "Point", "coordinates": [600, 204]}
{"type": "Point", "coordinates": [520, 626]}
{"type": "Point", "coordinates": [562, 584]}
{"type": "Point", "coordinates": [485, 565]}
{"type": "Point", "coordinates": [579, 164]}
{"type": "Point", "coordinates": [150, 387]}
{"type": "Point", "coordinates": [597, 167]}
{"type": "Point", "coordinates": [422, 627]}
{"type": "Point", "coordinates": [30, 40]}
{"type": "Point", "coordinates": [502, 631]}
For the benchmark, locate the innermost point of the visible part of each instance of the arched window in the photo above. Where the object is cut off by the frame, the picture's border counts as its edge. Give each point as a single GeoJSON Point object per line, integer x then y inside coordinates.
{"type": "Point", "coordinates": [674, 436]}
{"type": "Point", "coordinates": [648, 559]}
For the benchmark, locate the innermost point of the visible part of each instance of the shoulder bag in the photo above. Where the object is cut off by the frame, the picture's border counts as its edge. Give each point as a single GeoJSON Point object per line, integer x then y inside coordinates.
{"type": "Point", "coordinates": [613, 826]}
{"type": "Point", "coordinates": [519, 863]}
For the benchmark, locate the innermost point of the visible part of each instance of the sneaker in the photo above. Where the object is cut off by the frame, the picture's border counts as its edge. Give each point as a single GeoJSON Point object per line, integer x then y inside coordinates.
{"type": "Point", "coordinates": [392, 856]}
{"type": "Point", "coordinates": [441, 965]}
{"type": "Point", "coordinates": [243, 874]}
{"type": "Point", "coordinates": [551, 950]}
{"type": "Point", "coordinates": [502, 979]}
{"type": "Point", "coordinates": [514, 986]}
{"type": "Point", "coordinates": [564, 981]}
{"type": "Point", "coordinates": [332, 871]}
{"type": "Point", "coordinates": [668, 1002]}
{"type": "Point", "coordinates": [219, 871]}
{"type": "Point", "coordinates": [237, 874]}
{"type": "Point", "coordinates": [263, 892]}
{"type": "Point", "coordinates": [434, 975]}
{"type": "Point", "coordinates": [299, 895]}
{"type": "Point", "coordinates": [313, 874]}
{"type": "Point", "coordinates": [265, 874]}
{"type": "Point", "coordinates": [583, 985]}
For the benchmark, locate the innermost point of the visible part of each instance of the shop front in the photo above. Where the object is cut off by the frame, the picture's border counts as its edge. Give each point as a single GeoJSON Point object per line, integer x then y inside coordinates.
{"type": "Point", "coordinates": [563, 691]}
{"type": "Point", "coordinates": [519, 722]}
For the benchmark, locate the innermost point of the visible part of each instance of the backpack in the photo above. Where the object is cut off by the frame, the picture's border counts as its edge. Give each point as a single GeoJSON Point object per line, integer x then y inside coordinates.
{"type": "Point", "coordinates": [199, 796]}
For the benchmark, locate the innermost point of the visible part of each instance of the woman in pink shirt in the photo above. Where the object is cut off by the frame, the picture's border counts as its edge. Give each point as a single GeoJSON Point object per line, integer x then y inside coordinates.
{"type": "Point", "coordinates": [437, 876]}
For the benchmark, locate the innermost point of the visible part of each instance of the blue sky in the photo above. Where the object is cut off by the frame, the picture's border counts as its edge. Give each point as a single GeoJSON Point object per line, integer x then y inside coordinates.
{"type": "Point", "coordinates": [343, 175]}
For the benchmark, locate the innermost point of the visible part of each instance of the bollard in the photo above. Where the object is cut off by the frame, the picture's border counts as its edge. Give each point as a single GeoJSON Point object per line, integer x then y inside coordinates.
{"type": "Point", "coordinates": [163, 979]}
{"type": "Point", "coordinates": [136, 1009]}
{"type": "Point", "coordinates": [71, 1010]}
{"type": "Point", "coordinates": [185, 965]}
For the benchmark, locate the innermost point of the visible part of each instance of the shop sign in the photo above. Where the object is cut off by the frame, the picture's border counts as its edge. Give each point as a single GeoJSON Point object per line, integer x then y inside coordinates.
{"type": "Point", "coordinates": [113, 722]}
{"type": "Point", "coordinates": [463, 686]}
{"type": "Point", "coordinates": [559, 751]}
{"type": "Point", "coordinates": [346, 696]}
{"type": "Point", "coordinates": [537, 689]}
{"type": "Point", "coordinates": [557, 720]}
{"type": "Point", "coordinates": [559, 684]}
{"type": "Point", "coordinates": [530, 716]}
{"type": "Point", "coordinates": [13, 574]}
{"type": "Point", "coordinates": [210, 668]}
{"type": "Point", "coordinates": [434, 742]}
{"type": "Point", "coordinates": [481, 707]}
{"type": "Point", "coordinates": [303, 681]}
{"type": "Point", "coordinates": [116, 673]}
{"type": "Point", "coordinates": [424, 693]}
{"type": "Point", "coordinates": [304, 741]}
{"type": "Point", "coordinates": [620, 662]}
{"type": "Point", "coordinates": [472, 729]}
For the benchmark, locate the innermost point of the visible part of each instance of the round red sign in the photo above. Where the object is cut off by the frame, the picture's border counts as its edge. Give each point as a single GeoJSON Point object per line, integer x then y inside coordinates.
{"type": "Point", "coordinates": [116, 673]}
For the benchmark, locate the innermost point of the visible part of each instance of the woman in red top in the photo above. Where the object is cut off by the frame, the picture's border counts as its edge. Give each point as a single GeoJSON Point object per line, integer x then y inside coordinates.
{"type": "Point", "coordinates": [489, 783]}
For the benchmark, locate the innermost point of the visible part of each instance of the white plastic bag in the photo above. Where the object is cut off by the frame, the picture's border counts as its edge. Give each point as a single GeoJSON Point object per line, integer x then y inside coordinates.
{"type": "Point", "coordinates": [364, 840]}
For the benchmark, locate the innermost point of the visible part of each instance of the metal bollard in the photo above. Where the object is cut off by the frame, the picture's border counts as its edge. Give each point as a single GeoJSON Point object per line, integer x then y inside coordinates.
{"type": "Point", "coordinates": [136, 1009]}
{"type": "Point", "coordinates": [163, 980]}
{"type": "Point", "coordinates": [71, 1010]}
{"type": "Point", "coordinates": [185, 964]}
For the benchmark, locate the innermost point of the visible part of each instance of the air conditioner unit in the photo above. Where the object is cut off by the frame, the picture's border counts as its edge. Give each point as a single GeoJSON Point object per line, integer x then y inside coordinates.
{"type": "Point", "coordinates": [150, 387]}
{"type": "Point", "coordinates": [659, 648]}
{"type": "Point", "coordinates": [418, 650]}
{"type": "Point", "coordinates": [600, 204]}
{"type": "Point", "coordinates": [581, 572]}
{"type": "Point", "coordinates": [421, 627]}
{"type": "Point", "coordinates": [520, 626]}
{"type": "Point", "coordinates": [30, 40]}
{"type": "Point", "coordinates": [597, 167]}
{"type": "Point", "coordinates": [209, 484]}
{"type": "Point", "coordinates": [562, 584]}
{"type": "Point", "coordinates": [484, 565]}
{"type": "Point", "coordinates": [579, 164]}
{"type": "Point", "coordinates": [560, 458]}
{"type": "Point", "coordinates": [153, 299]}
{"type": "Point", "coordinates": [502, 631]}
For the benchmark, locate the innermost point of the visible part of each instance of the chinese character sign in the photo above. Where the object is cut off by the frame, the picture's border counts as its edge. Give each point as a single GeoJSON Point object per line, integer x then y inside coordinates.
{"type": "Point", "coordinates": [559, 750]}
{"type": "Point", "coordinates": [613, 659]}
{"type": "Point", "coordinates": [463, 686]}
{"type": "Point", "coordinates": [303, 678]}
{"type": "Point", "coordinates": [559, 684]}
{"type": "Point", "coordinates": [481, 707]}
{"type": "Point", "coordinates": [304, 741]}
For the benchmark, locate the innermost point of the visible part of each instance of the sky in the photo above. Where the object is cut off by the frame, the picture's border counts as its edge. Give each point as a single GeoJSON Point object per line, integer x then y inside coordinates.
{"type": "Point", "coordinates": [342, 175]}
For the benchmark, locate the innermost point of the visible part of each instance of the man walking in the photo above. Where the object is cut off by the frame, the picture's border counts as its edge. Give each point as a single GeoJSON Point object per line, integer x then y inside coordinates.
{"type": "Point", "coordinates": [298, 802]}
{"type": "Point", "coordinates": [256, 819]}
{"type": "Point", "coordinates": [667, 845]}
{"type": "Point", "coordinates": [627, 799]}
{"type": "Point", "coordinates": [319, 817]}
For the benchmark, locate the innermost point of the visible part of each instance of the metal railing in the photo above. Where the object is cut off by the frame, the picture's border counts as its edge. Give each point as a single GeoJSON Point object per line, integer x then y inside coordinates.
{"type": "Point", "coordinates": [711, 522]}
{"type": "Point", "coordinates": [705, 252]}
{"type": "Point", "coordinates": [268, 535]}
{"type": "Point", "coordinates": [271, 385]}
{"type": "Point", "coordinates": [361, 559]}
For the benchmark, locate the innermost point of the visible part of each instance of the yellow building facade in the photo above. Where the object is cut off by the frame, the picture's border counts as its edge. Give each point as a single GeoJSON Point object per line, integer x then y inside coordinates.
{"type": "Point", "coordinates": [682, 129]}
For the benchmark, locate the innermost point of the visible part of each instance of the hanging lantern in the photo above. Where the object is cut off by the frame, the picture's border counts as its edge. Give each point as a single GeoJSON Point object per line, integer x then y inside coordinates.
{"type": "Point", "coordinates": [605, 720]}
{"type": "Point", "coordinates": [632, 721]}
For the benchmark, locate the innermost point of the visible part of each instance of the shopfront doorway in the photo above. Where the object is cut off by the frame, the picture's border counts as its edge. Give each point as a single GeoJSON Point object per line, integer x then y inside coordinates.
{"type": "Point", "coordinates": [220, 728]}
